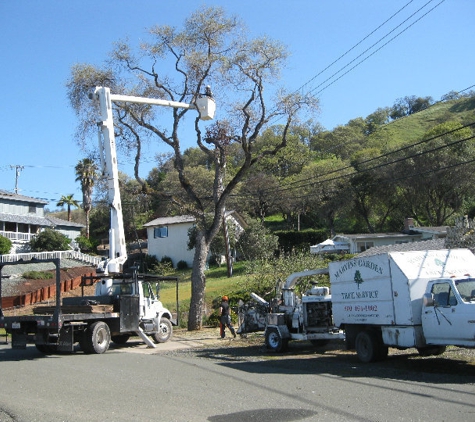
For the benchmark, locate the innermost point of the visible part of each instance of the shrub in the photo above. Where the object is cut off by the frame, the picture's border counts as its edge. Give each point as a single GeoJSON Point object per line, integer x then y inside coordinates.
{"type": "Point", "coordinates": [182, 265]}
{"type": "Point", "coordinates": [150, 264]}
{"type": "Point", "coordinates": [290, 240]}
{"type": "Point", "coordinates": [37, 275]}
{"type": "Point", "coordinates": [263, 276]}
{"type": "Point", "coordinates": [166, 260]}
{"type": "Point", "coordinates": [85, 244]}
{"type": "Point", "coordinates": [5, 245]}
{"type": "Point", "coordinates": [50, 240]}
{"type": "Point", "coordinates": [257, 242]}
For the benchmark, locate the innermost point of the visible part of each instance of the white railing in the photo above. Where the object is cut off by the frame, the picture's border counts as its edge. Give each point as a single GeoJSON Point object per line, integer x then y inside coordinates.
{"type": "Point", "coordinates": [22, 237]}
{"type": "Point", "coordinates": [78, 256]}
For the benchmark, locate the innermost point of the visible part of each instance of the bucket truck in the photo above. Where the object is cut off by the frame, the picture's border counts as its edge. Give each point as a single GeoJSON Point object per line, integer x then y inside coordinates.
{"type": "Point", "coordinates": [125, 303]}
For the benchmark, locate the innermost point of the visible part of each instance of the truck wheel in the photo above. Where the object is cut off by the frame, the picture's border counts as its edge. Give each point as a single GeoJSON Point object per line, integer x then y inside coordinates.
{"type": "Point", "coordinates": [367, 346]}
{"type": "Point", "coordinates": [165, 331]}
{"type": "Point", "coordinates": [97, 338]}
{"type": "Point", "coordinates": [431, 350]}
{"type": "Point", "coordinates": [121, 338]}
{"type": "Point", "coordinates": [274, 341]}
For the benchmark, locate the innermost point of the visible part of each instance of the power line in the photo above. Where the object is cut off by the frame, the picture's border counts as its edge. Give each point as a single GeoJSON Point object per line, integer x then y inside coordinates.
{"type": "Point", "coordinates": [328, 150]}
{"type": "Point", "coordinates": [374, 52]}
{"type": "Point", "coordinates": [301, 184]}
{"type": "Point", "coordinates": [276, 118]}
{"type": "Point", "coordinates": [356, 45]}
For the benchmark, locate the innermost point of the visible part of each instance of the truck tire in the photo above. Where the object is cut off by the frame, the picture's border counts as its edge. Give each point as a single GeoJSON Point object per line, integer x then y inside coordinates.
{"type": "Point", "coordinates": [165, 331]}
{"type": "Point", "coordinates": [431, 350]}
{"type": "Point", "coordinates": [368, 347]}
{"type": "Point", "coordinates": [121, 338]}
{"type": "Point", "coordinates": [97, 338]}
{"type": "Point", "coordinates": [274, 340]}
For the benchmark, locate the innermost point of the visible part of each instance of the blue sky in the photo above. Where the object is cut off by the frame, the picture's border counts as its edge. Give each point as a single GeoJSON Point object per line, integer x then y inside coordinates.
{"type": "Point", "coordinates": [41, 40]}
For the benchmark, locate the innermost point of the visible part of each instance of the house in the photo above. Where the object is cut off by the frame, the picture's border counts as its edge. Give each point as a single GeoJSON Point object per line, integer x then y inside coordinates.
{"type": "Point", "coordinates": [23, 217]}
{"type": "Point", "coordinates": [68, 228]}
{"type": "Point", "coordinates": [168, 236]}
{"type": "Point", "coordinates": [357, 243]}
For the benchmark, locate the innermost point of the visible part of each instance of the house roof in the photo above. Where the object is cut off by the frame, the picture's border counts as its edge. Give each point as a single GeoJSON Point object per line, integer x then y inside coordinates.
{"type": "Point", "coordinates": [25, 219]}
{"type": "Point", "coordinates": [20, 198]}
{"type": "Point", "coordinates": [180, 219]}
{"type": "Point", "coordinates": [374, 236]}
{"type": "Point", "coordinates": [64, 223]}
{"type": "Point", "coordinates": [433, 244]}
{"type": "Point", "coordinates": [165, 221]}
{"type": "Point", "coordinates": [238, 218]}
{"type": "Point", "coordinates": [440, 230]}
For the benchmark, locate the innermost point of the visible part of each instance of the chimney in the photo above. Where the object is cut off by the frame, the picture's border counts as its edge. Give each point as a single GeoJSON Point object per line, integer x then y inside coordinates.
{"type": "Point", "coordinates": [408, 224]}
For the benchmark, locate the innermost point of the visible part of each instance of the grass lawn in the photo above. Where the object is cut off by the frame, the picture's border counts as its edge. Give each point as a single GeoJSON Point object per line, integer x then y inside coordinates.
{"type": "Point", "coordinates": [217, 284]}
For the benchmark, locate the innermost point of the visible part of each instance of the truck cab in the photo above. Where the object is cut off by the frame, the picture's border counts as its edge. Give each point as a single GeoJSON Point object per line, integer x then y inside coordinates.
{"type": "Point", "coordinates": [422, 299]}
{"type": "Point", "coordinates": [448, 311]}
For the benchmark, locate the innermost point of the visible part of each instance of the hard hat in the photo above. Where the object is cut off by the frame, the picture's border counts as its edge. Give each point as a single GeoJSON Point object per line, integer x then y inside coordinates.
{"type": "Point", "coordinates": [225, 298]}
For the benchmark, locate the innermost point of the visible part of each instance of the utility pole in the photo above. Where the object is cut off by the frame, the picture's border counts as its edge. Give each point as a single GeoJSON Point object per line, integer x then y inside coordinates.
{"type": "Point", "coordinates": [18, 169]}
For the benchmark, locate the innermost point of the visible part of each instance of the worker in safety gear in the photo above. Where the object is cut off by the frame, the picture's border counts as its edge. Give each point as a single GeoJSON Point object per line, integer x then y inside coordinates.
{"type": "Point", "coordinates": [225, 320]}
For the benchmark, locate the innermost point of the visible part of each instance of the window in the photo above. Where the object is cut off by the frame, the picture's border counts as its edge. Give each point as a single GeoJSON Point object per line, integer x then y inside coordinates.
{"type": "Point", "coordinates": [466, 288]}
{"type": "Point", "coordinates": [443, 295]}
{"type": "Point", "coordinates": [160, 232]}
{"type": "Point", "coordinates": [362, 246]}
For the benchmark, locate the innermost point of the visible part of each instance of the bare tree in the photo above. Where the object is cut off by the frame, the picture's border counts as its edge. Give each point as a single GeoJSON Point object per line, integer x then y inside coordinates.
{"type": "Point", "coordinates": [212, 49]}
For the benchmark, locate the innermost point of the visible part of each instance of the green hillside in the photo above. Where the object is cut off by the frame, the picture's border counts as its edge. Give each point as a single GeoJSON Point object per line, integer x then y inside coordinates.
{"type": "Point", "coordinates": [411, 128]}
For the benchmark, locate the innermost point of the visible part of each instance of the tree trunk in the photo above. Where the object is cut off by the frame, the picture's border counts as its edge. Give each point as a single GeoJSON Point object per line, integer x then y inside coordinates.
{"type": "Point", "coordinates": [87, 224]}
{"type": "Point", "coordinates": [198, 283]}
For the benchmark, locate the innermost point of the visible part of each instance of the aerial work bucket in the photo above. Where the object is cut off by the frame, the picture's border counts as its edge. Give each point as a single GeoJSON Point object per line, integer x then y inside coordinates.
{"type": "Point", "coordinates": [206, 107]}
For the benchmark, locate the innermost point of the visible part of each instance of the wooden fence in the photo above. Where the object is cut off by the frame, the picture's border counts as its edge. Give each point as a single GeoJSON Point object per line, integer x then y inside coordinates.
{"type": "Point", "coordinates": [40, 295]}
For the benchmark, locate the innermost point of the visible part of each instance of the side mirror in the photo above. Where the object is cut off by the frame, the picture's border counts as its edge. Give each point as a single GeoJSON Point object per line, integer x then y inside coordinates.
{"type": "Point", "coordinates": [428, 299]}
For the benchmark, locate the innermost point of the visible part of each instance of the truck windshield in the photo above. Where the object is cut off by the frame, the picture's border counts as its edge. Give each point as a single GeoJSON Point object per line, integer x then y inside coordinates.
{"type": "Point", "coordinates": [466, 288]}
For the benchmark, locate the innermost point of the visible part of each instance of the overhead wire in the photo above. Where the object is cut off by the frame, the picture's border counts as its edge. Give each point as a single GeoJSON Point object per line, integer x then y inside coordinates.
{"type": "Point", "coordinates": [356, 45]}
{"type": "Point", "coordinates": [276, 118]}
{"type": "Point", "coordinates": [373, 45]}
{"type": "Point", "coordinates": [299, 184]}
{"type": "Point", "coordinates": [328, 150]}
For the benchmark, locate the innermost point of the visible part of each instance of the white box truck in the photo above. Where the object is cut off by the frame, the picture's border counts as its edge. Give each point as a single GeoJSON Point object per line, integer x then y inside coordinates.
{"type": "Point", "coordinates": [421, 299]}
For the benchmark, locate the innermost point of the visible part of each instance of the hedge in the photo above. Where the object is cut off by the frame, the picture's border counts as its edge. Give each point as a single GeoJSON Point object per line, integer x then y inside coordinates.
{"type": "Point", "coordinates": [289, 239]}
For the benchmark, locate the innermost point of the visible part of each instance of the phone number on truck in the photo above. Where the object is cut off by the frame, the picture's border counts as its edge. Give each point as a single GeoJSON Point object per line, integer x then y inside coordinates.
{"type": "Point", "coordinates": [361, 308]}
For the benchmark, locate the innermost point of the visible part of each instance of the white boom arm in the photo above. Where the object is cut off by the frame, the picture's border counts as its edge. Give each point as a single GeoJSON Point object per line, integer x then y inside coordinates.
{"type": "Point", "coordinates": [107, 149]}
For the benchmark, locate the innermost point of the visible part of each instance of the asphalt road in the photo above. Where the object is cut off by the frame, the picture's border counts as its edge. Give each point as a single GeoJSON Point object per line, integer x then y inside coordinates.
{"type": "Point", "coordinates": [189, 380]}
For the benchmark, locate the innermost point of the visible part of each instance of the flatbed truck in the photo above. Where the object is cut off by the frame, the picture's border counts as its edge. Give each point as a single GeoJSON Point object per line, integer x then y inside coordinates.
{"type": "Point", "coordinates": [93, 322]}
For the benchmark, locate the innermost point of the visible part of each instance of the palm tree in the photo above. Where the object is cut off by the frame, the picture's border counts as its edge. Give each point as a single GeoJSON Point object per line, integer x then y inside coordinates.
{"type": "Point", "coordinates": [86, 174]}
{"type": "Point", "coordinates": [69, 201]}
